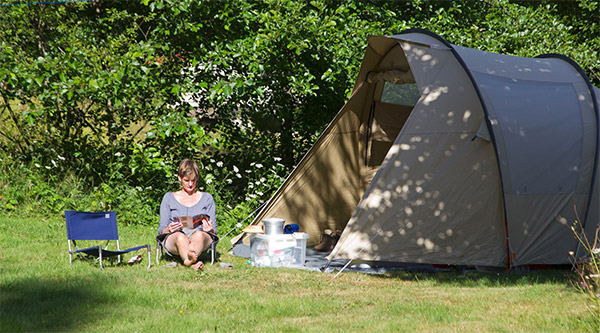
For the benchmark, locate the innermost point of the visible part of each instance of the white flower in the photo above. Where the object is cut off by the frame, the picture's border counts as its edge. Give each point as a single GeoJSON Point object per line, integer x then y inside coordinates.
{"type": "Point", "coordinates": [236, 169]}
{"type": "Point", "coordinates": [219, 164]}
{"type": "Point", "coordinates": [229, 181]}
{"type": "Point", "coordinates": [208, 181]}
{"type": "Point", "coordinates": [596, 250]}
{"type": "Point", "coordinates": [61, 158]}
{"type": "Point", "coordinates": [117, 154]}
{"type": "Point", "coordinates": [258, 165]}
{"type": "Point", "coordinates": [263, 179]}
{"type": "Point", "coordinates": [37, 165]}
{"type": "Point", "coordinates": [48, 167]}
{"type": "Point", "coordinates": [238, 175]}
{"type": "Point", "coordinates": [53, 163]}
{"type": "Point", "coordinates": [277, 159]}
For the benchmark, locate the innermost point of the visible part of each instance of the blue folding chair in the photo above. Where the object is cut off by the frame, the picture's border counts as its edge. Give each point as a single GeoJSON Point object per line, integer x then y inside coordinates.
{"type": "Point", "coordinates": [96, 226]}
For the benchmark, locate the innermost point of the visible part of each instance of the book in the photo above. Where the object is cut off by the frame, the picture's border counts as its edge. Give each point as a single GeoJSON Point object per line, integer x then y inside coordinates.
{"type": "Point", "coordinates": [191, 222]}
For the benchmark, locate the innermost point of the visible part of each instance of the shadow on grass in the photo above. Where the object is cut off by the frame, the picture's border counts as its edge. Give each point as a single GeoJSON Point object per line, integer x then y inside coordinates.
{"type": "Point", "coordinates": [57, 304]}
{"type": "Point", "coordinates": [485, 279]}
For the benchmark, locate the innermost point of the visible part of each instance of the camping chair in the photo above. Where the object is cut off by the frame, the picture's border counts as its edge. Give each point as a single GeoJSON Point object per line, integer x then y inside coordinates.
{"type": "Point", "coordinates": [95, 226]}
{"type": "Point", "coordinates": [161, 250]}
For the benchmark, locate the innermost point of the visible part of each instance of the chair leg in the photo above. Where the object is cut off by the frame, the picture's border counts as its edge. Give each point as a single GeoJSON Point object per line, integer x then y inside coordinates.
{"type": "Point", "coordinates": [119, 249]}
{"type": "Point", "coordinates": [149, 256]}
{"type": "Point", "coordinates": [213, 248]}
{"type": "Point", "coordinates": [158, 251]}
{"type": "Point", "coordinates": [70, 254]}
{"type": "Point", "coordinates": [100, 256]}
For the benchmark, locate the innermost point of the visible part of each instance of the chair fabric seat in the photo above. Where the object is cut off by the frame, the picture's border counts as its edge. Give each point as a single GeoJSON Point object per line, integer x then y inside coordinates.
{"type": "Point", "coordinates": [95, 251]}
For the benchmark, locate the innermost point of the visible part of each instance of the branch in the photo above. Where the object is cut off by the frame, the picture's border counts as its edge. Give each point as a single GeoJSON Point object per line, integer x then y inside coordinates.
{"type": "Point", "coordinates": [594, 74]}
{"type": "Point", "coordinates": [130, 141]}
{"type": "Point", "coordinates": [142, 31]}
{"type": "Point", "coordinates": [84, 118]}
{"type": "Point", "coordinates": [8, 137]}
{"type": "Point", "coordinates": [136, 133]}
{"type": "Point", "coordinates": [16, 121]}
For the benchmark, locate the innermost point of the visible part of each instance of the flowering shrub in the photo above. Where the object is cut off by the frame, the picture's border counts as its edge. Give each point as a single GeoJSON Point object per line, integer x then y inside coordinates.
{"type": "Point", "coordinates": [237, 190]}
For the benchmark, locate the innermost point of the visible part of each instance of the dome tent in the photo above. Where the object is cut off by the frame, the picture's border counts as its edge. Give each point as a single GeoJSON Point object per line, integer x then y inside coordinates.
{"type": "Point", "coordinates": [449, 155]}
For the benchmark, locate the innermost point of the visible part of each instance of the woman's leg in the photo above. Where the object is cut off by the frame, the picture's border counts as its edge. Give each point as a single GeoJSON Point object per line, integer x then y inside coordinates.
{"type": "Point", "coordinates": [178, 243]}
{"type": "Point", "coordinates": [199, 242]}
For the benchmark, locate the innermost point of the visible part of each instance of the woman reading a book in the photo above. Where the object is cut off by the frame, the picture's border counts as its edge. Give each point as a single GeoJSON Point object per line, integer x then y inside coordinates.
{"type": "Point", "coordinates": [187, 218]}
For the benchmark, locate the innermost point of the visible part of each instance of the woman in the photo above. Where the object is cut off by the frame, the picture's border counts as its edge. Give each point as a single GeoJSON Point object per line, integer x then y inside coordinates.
{"type": "Point", "coordinates": [187, 243]}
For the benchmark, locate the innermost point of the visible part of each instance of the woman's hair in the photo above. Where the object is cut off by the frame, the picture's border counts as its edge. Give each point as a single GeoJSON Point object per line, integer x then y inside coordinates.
{"type": "Point", "coordinates": [188, 168]}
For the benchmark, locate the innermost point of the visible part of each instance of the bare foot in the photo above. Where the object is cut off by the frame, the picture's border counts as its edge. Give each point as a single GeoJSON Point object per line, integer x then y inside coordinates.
{"type": "Point", "coordinates": [198, 265]}
{"type": "Point", "coordinates": [193, 256]}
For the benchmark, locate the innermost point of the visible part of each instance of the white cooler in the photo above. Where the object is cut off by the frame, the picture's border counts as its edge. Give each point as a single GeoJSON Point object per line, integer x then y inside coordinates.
{"type": "Point", "coordinates": [286, 250]}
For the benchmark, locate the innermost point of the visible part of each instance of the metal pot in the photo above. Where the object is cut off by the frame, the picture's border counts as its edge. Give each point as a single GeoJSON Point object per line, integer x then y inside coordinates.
{"type": "Point", "coordinates": [273, 226]}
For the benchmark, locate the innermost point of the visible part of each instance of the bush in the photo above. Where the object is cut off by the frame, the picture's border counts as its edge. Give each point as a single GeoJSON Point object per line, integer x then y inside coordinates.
{"type": "Point", "coordinates": [32, 191]}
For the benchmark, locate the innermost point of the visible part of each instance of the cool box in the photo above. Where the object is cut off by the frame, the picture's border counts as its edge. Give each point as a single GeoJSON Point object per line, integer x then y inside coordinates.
{"type": "Point", "coordinates": [284, 250]}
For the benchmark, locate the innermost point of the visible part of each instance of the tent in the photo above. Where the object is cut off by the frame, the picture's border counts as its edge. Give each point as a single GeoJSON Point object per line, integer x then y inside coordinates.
{"type": "Point", "coordinates": [454, 156]}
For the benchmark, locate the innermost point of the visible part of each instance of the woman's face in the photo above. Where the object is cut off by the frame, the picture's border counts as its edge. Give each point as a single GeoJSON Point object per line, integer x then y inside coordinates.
{"type": "Point", "coordinates": [188, 184]}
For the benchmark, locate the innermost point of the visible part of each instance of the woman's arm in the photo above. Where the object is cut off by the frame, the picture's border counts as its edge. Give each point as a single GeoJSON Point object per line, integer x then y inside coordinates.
{"type": "Point", "coordinates": [212, 212]}
{"type": "Point", "coordinates": [165, 219]}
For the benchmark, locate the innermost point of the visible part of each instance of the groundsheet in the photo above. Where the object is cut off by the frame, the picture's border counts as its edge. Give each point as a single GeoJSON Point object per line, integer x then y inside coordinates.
{"type": "Point", "coordinates": [317, 261]}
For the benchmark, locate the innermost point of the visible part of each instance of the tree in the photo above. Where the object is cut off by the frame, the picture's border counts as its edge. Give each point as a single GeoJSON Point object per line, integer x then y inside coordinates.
{"type": "Point", "coordinates": [120, 91]}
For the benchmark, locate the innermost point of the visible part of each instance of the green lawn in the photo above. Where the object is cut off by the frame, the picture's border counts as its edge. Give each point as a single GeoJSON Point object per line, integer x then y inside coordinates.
{"type": "Point", "coordinates": [41, 292]}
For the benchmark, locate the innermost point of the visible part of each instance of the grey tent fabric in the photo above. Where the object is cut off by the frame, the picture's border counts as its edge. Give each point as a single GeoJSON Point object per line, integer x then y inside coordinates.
{"type": "Point", "coordinates": [491, 165]}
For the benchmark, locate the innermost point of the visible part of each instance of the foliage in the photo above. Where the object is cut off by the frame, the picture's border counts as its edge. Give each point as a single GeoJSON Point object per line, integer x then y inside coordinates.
{"type": "Point", "coordinates": [113, 94]}
{"type": "Point", "coordinates": [274, 85]}
{"type": "Point", "coordinates": [30, 192]}
{"type": "Point", "coordinates": [586, 264]}
{"type": "Point", "coordinates": [81, 83]}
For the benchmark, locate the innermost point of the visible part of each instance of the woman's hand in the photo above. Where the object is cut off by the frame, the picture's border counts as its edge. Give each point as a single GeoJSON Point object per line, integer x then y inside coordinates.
{"type": "Point", "coordinates": [208, 225]}
{"type": "Point", "coordinates": [173, 226]}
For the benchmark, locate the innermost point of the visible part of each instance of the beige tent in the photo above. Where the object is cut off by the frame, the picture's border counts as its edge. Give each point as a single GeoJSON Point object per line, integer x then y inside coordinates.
{"type": "Point", "coordinates": [449, 155]}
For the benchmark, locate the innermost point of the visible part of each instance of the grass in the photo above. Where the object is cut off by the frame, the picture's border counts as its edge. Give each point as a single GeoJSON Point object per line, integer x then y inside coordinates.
{"type": "Point", "coordinates": [39, 291]}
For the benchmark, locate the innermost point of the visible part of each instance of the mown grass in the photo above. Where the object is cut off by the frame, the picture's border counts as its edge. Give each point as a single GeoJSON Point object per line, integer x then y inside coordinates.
{"type": "Point", "coordinates": [41, 292]}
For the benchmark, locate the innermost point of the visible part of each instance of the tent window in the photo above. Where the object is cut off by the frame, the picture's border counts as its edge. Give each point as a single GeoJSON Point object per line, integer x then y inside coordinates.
{"type": "Point", "coordinates": [542, 130]}
{"type": "Point", "coordinates": [403, 94]}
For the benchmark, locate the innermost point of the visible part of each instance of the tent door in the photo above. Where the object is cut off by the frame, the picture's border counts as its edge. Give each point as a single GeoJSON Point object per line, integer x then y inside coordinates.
{"type": "Point", "coordinates": [385, 122]}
